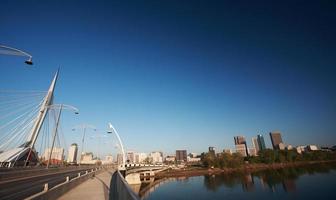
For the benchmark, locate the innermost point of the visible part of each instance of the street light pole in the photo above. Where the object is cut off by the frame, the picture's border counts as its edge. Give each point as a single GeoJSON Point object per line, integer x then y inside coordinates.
{"type": "Point", "coordinates": [55, 133]}
{"type": "Point", "coordinates": [61, 106]}
{"type": "Point", "coordinates": [16, 52]}
{"type": "Point", "coordinates": [83, 127]}
{"type": "Point", "coordinates": [122, 168]}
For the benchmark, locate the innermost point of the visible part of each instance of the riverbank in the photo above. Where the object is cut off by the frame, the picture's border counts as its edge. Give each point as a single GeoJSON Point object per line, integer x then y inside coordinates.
{"type": "Point", "coordinates": [246, 168]}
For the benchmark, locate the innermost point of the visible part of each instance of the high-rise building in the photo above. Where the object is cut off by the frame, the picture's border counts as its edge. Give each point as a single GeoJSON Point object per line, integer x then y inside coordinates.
{"type": "Point", "coordinates": [255, 144]}
{"type": "Point", "coordinates": [239, 141]}
{"type": "Point", "coordinates": [261, 142]}
{"type": "Point", "coordinates": [181, 155]}
{"type": "Point", "coordinates": [72, 154]}
{"type": "Point", "coordinates": [276, 139]}
{"type": "Point", "coordinates": [241, 148]}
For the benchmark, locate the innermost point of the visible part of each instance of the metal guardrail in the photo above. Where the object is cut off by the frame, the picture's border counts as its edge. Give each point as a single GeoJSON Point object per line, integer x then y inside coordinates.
{"type": "Point", "coordinates": [58, 190]}
{"type": "Point", "coordinates": [120, 188]}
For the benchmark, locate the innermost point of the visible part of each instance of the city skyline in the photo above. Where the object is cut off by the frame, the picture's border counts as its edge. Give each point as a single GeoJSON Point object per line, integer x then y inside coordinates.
{"type": "Point", "coordinates": [187, 77]}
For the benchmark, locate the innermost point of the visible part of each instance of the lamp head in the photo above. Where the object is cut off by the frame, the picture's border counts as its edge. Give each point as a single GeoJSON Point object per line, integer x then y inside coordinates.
{"type": "Point", "coordinates": [29, 61]}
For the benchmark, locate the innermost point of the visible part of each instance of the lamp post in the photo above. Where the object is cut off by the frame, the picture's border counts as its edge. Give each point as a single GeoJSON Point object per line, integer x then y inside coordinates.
{"type": "Point", "coordinates": [122, 168]}
{"type": "Point", "coordinates": [83, 127]}
{"type": "Point", "coordinates": [16, 52]}
{"type": "Point", "coordinates": [60, 107]}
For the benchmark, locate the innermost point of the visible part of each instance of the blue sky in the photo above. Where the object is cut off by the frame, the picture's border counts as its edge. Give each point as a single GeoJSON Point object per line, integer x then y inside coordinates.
{"type": "Point", "coordinates": [181, 74]}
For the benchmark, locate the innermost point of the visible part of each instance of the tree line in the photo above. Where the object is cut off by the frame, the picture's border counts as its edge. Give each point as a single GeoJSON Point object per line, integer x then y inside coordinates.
{"type": "Point", "coordinates": [268, 156]}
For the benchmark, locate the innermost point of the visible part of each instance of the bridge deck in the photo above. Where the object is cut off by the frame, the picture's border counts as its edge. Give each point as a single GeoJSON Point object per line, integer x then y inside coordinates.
{"type": "Point", "coordinates": [96, 188]}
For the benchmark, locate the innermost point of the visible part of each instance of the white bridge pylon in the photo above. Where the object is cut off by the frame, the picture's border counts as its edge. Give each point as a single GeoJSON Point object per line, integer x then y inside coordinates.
{"type": "Point", "coordinates": [25, 154]}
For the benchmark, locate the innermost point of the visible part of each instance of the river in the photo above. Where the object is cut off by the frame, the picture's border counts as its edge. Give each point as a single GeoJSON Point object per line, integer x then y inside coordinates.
{"type": "Point", "coordinates": [309, 182]}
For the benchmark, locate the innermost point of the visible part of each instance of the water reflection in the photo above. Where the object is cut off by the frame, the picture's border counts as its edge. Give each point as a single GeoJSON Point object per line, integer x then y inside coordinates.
{"type": "Point", "coordinates": [269, 181]}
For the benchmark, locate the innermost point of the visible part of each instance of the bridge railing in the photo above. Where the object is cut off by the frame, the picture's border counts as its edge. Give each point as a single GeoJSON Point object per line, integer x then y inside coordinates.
{"type": "Point", "coordinates": [120, 189]}
{"type": "Point", "coordinates": [60, 189]}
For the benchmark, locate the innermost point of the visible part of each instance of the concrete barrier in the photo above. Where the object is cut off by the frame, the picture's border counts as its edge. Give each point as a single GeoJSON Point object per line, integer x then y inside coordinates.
{"type": "Point", "coordinates": [119, 188]}
{"type": "Point", "coordinates": [58, 190]}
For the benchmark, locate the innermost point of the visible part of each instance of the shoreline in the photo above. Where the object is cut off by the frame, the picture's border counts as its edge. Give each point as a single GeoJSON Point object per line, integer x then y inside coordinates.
{"type": "Point", "coordinates": [246, 168]}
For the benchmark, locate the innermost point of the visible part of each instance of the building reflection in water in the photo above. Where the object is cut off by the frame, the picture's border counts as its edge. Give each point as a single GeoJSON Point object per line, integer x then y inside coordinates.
{"type": "Point", "coordinates": [148, 187]}
{"type": "Point", "coordinates": [248, 183]}
{"type": "Point", "coordinates": [289, 185]}
{"type": "Point", "coordinates": [281, 180]}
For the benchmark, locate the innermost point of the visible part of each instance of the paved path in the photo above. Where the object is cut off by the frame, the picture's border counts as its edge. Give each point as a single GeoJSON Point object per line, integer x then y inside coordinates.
{"type": "Point", "coordinates": [96, 188]}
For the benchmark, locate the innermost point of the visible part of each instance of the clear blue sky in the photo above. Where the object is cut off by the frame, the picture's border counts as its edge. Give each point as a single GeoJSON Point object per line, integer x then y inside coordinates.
{"type": "Point", "coordinates": [181, 74]}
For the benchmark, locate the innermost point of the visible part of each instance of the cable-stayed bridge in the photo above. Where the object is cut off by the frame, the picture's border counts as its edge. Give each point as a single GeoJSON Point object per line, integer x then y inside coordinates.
{"type": "Point", "coordinates": [25, 127]}
{"type": "Point", "coordinates": [29, 124]}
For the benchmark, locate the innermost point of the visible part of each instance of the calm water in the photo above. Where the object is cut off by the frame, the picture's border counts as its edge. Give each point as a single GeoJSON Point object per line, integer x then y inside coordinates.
{"type": "Point", "coordinates": [313, 182]}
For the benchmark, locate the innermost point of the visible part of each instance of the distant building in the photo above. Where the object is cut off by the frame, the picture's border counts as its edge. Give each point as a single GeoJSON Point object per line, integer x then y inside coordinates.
{"type": "Point", "coordinates": [261, 142]}
{"type": "Point", "coordinates": [289, 147]}
{"type": "Point", "coordinates": [130, 157]}
{"type": "Point", "coordinates": [142, 157]}
{"type": "Point", "coordinates": [312, 148]}
{"type": "Point", "coordinates": [87, 158]}
{"type": "Point", "coordinates": [181, 155]}
{"type": "Point", "coordinates": [193, 159]}
{"type": "Point", "coordinates": [119, 158]}
{"type": "Point", "coordinates": [229, 151]}
{"type": "Point", "coordinates": [300, 149]}
{"type": "Point", "coordinates": [212, 150]}
{"type": "Point", "coordinates": [72, 154]}
{"type": "Point", "coordinates": [252, 152]}
{"type": "Point", "coordinates": [108, 160]}
{"type": "Point", "coordinates": [281, 146]}
{"type": "Point", "coordinates": [239, 141]}
{"type": "Point", "coordinates": [255, 144]}
{"type": "Point", "coordinates": [56, 156]}
{"type": "Point", "coordinates": [276, 139]}
{"type": "Point", "coordinates": [170, 159]}
{"type": "Point", "coordinates": [136, 158]}
{"type": "Point", "coordinates": [241, 148]}
{"type": "Point", "coordinates": [193, 155]}
{"type": "Point", "coordinates": [156, 157]}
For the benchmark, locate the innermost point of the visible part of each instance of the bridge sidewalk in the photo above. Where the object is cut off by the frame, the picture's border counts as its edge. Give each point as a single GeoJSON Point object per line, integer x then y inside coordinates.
{"type": "Point", "coordinates": [95, 188]}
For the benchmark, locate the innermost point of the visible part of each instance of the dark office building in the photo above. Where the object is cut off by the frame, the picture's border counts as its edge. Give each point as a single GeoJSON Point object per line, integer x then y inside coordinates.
{"type": "Point", "coordinates": [261, 142]}
{"type": "Point", "coordinates": [276, 139]}
{"type": "Point", "coordinates": [241, 140]}
{"type": "Point", "coordinates": [181, 155]}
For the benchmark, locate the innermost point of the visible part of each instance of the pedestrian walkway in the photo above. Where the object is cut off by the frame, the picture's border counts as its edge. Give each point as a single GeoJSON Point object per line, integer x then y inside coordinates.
{"type": "Point", "coordinates": [96, 188]}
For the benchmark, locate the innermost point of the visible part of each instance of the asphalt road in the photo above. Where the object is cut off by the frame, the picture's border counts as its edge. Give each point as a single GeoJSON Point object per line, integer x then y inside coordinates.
{"type": "Point", "coordinates": [20, 187]}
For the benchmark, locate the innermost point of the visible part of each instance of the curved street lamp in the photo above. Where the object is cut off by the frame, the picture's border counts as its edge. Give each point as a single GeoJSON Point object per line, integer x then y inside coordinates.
{"type": "Point", "coordinates": [16, 52]}
{"type": "Point", "coordinates": [113, 130]}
